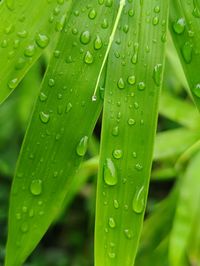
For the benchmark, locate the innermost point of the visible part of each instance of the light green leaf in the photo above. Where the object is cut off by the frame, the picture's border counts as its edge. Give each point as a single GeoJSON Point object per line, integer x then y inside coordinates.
{"type": "Point", "coordinates": [26, 29]}
{"type": "Point", "coordinates": [186, 211]}
{"type": "Point", "coordinates": [134, 75]}
{"type": "Point", "coordinates": [62, 122]}
{"type": "Point", "coordinates": [184, 27]}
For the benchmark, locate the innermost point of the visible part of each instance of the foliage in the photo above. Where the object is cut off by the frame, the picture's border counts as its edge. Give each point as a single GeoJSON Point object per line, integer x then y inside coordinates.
{"type": "Point", "coordinates": [69, 66]}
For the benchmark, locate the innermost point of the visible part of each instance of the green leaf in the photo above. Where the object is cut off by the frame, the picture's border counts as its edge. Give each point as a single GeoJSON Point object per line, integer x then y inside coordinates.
{"type": "Point", "coordinates": [26, 29]}
{"type": "Point", "coordinates": [186, 211]}
{"type": "Point", "coordinates": [171, 143]}
{"type": "Point", "coordinates": [62, 121]}
{"type": "Point", "coordinates": [184, 27]}
{"type": "Point", "coordinates": [182, 112]}
{"type": "Point", "coordinates": [134, 75]}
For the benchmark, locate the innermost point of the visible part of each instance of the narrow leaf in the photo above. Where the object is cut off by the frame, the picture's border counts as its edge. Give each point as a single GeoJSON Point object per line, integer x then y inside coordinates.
{"type": "Point", "coordinates": [61, 125]}
{"type": "Point", "coordinates": [26, 29]}
{"type": "Point", "coordinates": [134, 75]}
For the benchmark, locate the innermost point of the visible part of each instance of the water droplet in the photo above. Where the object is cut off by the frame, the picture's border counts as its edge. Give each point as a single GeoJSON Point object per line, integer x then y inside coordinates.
{"type": "Point", "coordinates": [157, 72]}
{"type": "Point", "coordinates": [111, 222]}
{"type": "Point", "coordinates": [85, 37]}
{"type": "Point", "coordinates": [88, 58]}
{"type": "Point", "coordinates": [110, 174]}
{"type": "Point", "coordinates": [117, 154]}
{"type": "Point", "coordinates": [36, 187]}
{"type": "Point", "coordinates": [196, 11]}
{"type": "Point", "coordinates": [121, 84]}
{"type": "Point", "coordinates": [68, 108]}
{"type": "Point", "coordinates": [138, 167]}
{"type": "Point", "coordinates": [51, 82]}
{"type": "Point", "coordinates": [12, 84]}
{"type": "Point", "coordinates": [44, 117]}
{"type": "Point", "coordinates": [42, 40]}
{"type": "Point", "coordinates": [131, 121]}
{"type": "Point", "coordinates": [98, 43]}
{"type": "Point", "coordinates": [139, 201]}
{"type": "Point", "coordinates": [92, 14]}
{"type": "Point", "coordinates": [196, 90]}
{"type": "Point", "coordinates": [131, 80]}
{"type": "Point", "coordinates": [155, 20]}
{"type": "Point", "coordinates": [116, 204]}
{"type": "Point", "coordinates": [111, 255]}
{"type": "Point", "coordinates": [115, 131]}
{"type": "Point", "coordinates": [30, 50]}
{"type": "Point", "coordinates": [128, 233]}
{"type": "Point", "coordinates": [187, 52]}
{"type": "Point", "coordinates": [141, 86]}
{"type": "Point", "coordinates": [179, 26]}
{"type": "Point", "coordinates": [104, 24]}
{"type": "Point", "coordinates": [82, 146]}
{"type": "Point", "coordinates": [43, 97]}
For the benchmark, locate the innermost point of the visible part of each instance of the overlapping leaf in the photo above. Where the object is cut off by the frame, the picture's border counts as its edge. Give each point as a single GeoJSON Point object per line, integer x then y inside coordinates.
{"type": "Point", "coordinates": [134, 75]}
{"type": "Point", "coordinates": [26, 28]}
{"type": "Point", "coordinates": [62, 122]}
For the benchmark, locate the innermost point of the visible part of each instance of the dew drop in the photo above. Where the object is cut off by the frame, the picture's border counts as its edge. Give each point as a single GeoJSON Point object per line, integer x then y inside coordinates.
{"type": "Point", "coordinates": [139, 201]}
{"type": "Point", "coordinates": [98, 43]}
{"type": "Point", "coordinates": [12, 84]}
{"type": "Point", "coordinates": [111, 222]}
{"type": "Point", "coordinates": [128, 233]}
{"type": "Point", "coordinates": [179, 26]}
{"type": "Point", "coordinates": [157, 72]}
{"type": "Point", "coordinates": [131, 80]}
{"type": "Point", "coordinates": [187, 52]}
{"type": "Point", "coordinates": [196, 90]}
{"type": "Point", "coordinates": [24, 228]}
{"type": "Point", "coordinates": [116, 204]}
{"type": "Point", "coordinates": [42, 40]}
{"type": "Point", "coordinates": [88, 58]}
{"type": "Point", "coordinates": [36, 187]}
{"type": "Point", "coordinates": [110, 174]}
{"type": "Point", "coordinates": [44, 117]}
{"type": "Point", "coordinates": [82, 146]}
{"type": "Point", "coordinates": [117, 154]}
{"type": "Point", "coordinates": [141, 86]}
{"type": "Point", "coordinates": [92, 14]}
{"type": "Point", "coordinates": [121, 84]}
{"type": "Point", "coordinates": [29, 50]}
{"type": "Point", "coordinates": [115, 131]}
{"type": "Point", "coordinates": [85, 37]}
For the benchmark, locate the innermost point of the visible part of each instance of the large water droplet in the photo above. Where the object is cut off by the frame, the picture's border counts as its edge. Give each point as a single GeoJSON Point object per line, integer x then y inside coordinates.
{"type": "Point", "coordinates": [82, 146]}
{"type": "Point", "coordinates": [157, 72]}
{"type": "Point", "coordinates": [179, 26]}
{"type": "Point", "coordinates": [36, 187]}
{"type": "Point", "coordinates": [88, 58]}
{"type": "Point", "coordinates": [187, 52]}
{"type": "Point", "coordinates": [110, 173]}
{"type": "Point", "coordinates": [42, 40]}
{"type": "Point", "coordinates": [139, 201]}
{"type": "Point", "coordinates": [121, 84]}
{"type": "Point", "coordinates": [44, 117]}
{"type": "Point", "coordinates": [85, 37]}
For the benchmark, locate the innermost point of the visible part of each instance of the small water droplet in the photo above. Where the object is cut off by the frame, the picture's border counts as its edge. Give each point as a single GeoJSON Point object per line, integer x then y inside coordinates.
{"type": "Point", "coordinates": [98, 43]}
{"type": "Point", "coordinates": [88, 58]}
{"type": "Point", "coordinates": [82, 146]}
{"type": "Point", "coordinates": [36, 187]}
{"type": "Point", "coordinates": [141, 86]}
{"type": "Point", "coordinates": [117, 154]}
{"type": "Point", "coordinates": [128, 233]}
{"type": "Point", "coordinates": [121, 84]}
{"type": "Point", "coordinates": [157, 72]}
{"type": "Point", "coordinates": [24, 227]}
{"type": "Point", "coordinates": [116, 204]}
{"type": "Point", "coordinates": [179, 26]}
{"type": "Point", "coordinates": [111, 222]}
{"type": "Point", "coordinates": [85, 37]}
{"type": "Point", "coordinates": [110, 174]}
{"type": "Point", "coordinates": [42, 40]}
{"type": "Point", "coordinates": [139, 201]}
{"type": "Point", "coordinates": [196, 90]}
{"type": "Point", "coordinates": [187, 52]}
{"type": "Point", "coordinates": [12, 84]}
{"type": "Point", "coordinates": [44, 117]}
{"type": "Point", "coordinates": [131, 80]}
{"type": "Point", "coordinates": [92, 14]}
